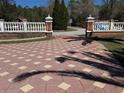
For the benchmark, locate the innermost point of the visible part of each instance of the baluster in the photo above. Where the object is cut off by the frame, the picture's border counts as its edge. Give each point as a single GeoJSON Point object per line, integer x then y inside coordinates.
{"type": "Point", "coordinates": [5, 27]}
{"type": "Point", "coordinates": [32, 27]}
{"type": "Point", "coordinates": [9, 27]}
{"type": "Point", "coordinates": [16, 27]}
{"type": "Point", "coordinates": [28, 27]}
{"type": "Point", "coordinates": [44, 26]}
{"type": "Point", "coordinates": [20, 25]}
{"type": "Point", "coordinates": [123, 26]}
{"type": "Point", "coordinates": [12, 27]}
{"type": "Point", "coordinates": [40, 27]}
{"type": "Point", "coordinates": [35, 26]}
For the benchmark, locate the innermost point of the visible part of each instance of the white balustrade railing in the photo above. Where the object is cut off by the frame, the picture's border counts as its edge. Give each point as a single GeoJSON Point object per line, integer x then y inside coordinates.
{"type": "Point", "coordinates": [22, 27]}
{"type": "Point", "coordinates": [13, 27]}
{"type": "Point", "coordinates": [108, 26]}
{"type": "Point", "coordinates": [117, 26]}
{"type": "Point", "coordinates": [36, 26]}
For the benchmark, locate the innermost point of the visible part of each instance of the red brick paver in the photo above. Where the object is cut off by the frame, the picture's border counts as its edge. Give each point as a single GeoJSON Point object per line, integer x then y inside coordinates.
{"type": "Point", "coordinates": [61, 65]}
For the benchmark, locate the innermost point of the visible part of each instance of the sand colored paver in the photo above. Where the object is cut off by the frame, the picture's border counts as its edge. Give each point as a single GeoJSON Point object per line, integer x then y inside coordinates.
{"type": "Point", "coordinates": [46, 78]}
{"type": "Point", "coordinates": [60, 65]}
{"type": "Point", "coordinates": [26, 88]}
{"type": "Point", "coordinates": [99, 84]}
{"type": "Point", "coordinates": [64, 86]}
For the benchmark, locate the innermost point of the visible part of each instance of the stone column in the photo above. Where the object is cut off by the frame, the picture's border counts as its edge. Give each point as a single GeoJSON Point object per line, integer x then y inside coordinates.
{"type": "Point", "coordinates": [49, 21]}
{"type": "Point", "coordinates": [89, 26]}
{"type": "Point", "coordinates": [1, 25]}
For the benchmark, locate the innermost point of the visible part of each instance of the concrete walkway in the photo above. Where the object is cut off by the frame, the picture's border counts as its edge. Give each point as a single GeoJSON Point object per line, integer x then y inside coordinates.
{"type": "Point", "coordinates": [62, 65]}
{"type": "Point", "coordinates": [79, 31]}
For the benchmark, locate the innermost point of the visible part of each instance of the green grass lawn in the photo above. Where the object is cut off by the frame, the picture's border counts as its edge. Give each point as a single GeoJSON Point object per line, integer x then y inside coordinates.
{"type": "Point", "coordinates": [114, 44]}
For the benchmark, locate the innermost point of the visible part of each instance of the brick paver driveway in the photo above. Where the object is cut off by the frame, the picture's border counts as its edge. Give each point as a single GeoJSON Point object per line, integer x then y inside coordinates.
{"type": "Point", "coordinates": [61, 65]}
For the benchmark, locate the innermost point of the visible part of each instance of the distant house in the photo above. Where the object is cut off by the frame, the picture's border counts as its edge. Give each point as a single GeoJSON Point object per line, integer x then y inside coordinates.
{"type": "Point", "coordinates": [20, 19]}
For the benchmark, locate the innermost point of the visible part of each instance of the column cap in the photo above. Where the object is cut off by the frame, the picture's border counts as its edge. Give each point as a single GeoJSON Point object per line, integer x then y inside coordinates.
{"type": "Point", "coordinates": [49, 19]}
{"type": "Point", "coordinates": [90, 18]}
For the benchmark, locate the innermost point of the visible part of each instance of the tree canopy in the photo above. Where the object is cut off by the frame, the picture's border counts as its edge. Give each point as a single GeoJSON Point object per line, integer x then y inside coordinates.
{"type": "Point", "coordinates": [9, 11]}
{"type": "Point", "coordinates": [78, 10]}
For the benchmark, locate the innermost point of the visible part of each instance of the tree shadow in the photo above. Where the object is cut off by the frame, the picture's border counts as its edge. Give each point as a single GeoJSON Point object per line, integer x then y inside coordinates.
{"type": "Point", "coordinates": [109, 39]}
{"type": "Point", "coordinates": [87, 40]}
{"type": "Point", "coordinates": [74, 38]}
{"type": "Point", "coordinates": [113, 70]}
{"type": "Point", "coordinates": [119, 54]}
{"type": "Point", "coordinates": [72, 52]}
{"type": "Point", "coordinates": [106, 59]}
{"type": "Point", "coordinates": [79, 38]}
{"type": "Point", "coordinates": [68, 73]}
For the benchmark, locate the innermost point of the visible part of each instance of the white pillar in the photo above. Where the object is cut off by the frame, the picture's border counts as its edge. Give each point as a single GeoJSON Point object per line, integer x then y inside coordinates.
{"type": "Point", "coordinates": [49, 21]}
{"type": "Point", "coordinates": [89, 26]}
{"type": "Point", "coordinates": [90, 23]}
{"type": "Point", "coordinates": [25, 24]}
{"type": "Point", "coordinates": [1, 25]}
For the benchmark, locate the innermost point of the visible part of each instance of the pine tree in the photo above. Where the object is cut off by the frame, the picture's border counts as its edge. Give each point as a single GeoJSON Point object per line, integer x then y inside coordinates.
{"type": "Point", "coordinates": [56, 15]}
{"type": "Point", "coordinates": [60, 16]}
{"type": "Point", "coordinates": [65, 15]}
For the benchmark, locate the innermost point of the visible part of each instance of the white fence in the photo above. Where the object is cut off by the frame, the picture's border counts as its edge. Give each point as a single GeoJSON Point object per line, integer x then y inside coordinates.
{"type": "Point", "coordinates": [108, 26]}
{"type": "Point", "coordinates": [22, 27]}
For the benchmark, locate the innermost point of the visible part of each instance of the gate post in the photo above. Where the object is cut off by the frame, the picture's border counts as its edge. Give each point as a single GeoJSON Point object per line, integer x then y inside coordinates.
{"type": "Point", "coordinates": [89, 26]}
{"type": "Point", "coordinates": [49, 21]}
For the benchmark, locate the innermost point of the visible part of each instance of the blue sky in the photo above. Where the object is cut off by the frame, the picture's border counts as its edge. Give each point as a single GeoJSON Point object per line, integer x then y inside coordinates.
{"type": "Point", "coordinates": [31, 3]}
